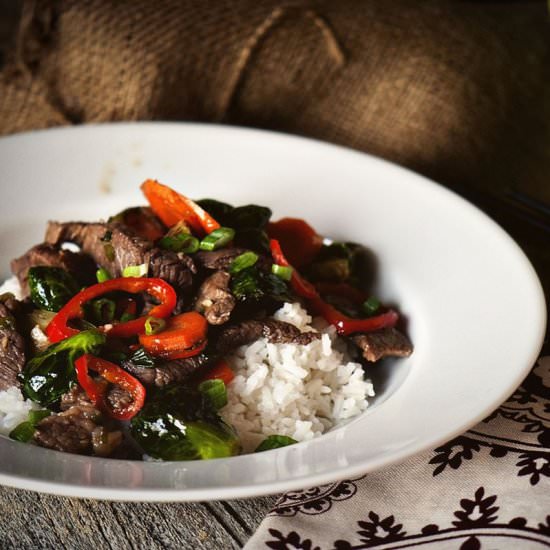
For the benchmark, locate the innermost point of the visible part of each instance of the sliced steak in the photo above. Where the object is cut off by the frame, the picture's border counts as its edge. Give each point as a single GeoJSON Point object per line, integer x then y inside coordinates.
{"type": "Point", "coordinates": [214, 299]}
{"type": "Point", "coordinates": [168, 373]}
{"type": "Point", "coordinates": [114, 247]}
{"type": "Point", "coordinates": [76, 430]}
{"type": "Point", "coordinates": [81, 266]}
{"type": "Point", "coordinates": [388, 342]}
{"type": "Point", "coordinates": [276, 332]}
{"type": "Point", "coordinates": [75, 396]}
{"type": "Point", "coordinates": [12, 345]}
{"type": "Point", "coordinates": [118, 398]}
{"type": "Point", "coordinates": [217, 259]}
{"type": "Point", "coordinates": [221, 259]}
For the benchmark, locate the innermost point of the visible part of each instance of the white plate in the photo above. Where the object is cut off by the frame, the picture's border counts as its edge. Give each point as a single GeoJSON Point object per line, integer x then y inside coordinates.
{"type": "Point", "coordinates": [475, 308]}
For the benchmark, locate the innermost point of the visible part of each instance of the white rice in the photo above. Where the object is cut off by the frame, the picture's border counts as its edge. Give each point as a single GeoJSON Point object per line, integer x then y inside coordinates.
{"type": "Point", "coordinates": [12, 285]}
{"type": "Point", "coordinates": [293, 390]}
{"type": "Point", "coordinates": [14, 409]}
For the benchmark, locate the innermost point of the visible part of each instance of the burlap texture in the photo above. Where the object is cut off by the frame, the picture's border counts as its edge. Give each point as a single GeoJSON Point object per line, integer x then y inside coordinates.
{"type": "Point", "coordinates": [457, 90]}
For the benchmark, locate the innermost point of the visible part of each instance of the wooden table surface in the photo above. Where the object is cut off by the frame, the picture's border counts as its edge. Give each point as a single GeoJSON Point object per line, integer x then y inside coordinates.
{"type": "Point", "coordinates": [32, 520]}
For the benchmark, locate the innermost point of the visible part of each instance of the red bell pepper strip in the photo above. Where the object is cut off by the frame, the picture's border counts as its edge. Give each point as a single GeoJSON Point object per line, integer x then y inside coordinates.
{"type": "Point", "coordinates": [220, 371]}
{"type": "Point", "coordinates": [299, 285]}
{"type": "Point", "coordinates": [183, 336]}
{"type": "Point", "coordinates": [59, 328]}
{"type": "Point", "coordinates": [297, 238]}
{"type": "Point", "coordinates": [173, 207]}
{"type": "Point", "coordinates": [109, 373]}
{"type": "Point", "coordinates": [344, 325]}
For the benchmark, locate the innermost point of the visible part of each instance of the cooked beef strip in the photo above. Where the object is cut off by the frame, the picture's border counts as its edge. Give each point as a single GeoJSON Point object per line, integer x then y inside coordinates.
{"type": "Point", "coordinates": [79, 265]}
{"type": "Point", "coordinates": [388, 342]}
{"type": "Point", "coordinates": [12, 345]}
{"type": "Point", "coordinates": [118, 398]}
{"type": "Point", "coordinates": [217, 259]}
{"type": "Point", "coordinates": [277, 332]}
{"type": "Point", "coordinates": [221, 259]}
{"type": "Point", "coordinates": [121, 248]}
{"type": "Point", "coordinates": [170, 372]}
{"type": "Point", "coordinates": [76, 431]}
{"type": "Point", "coordinates": [75, 396]}
{"type": "Point", "coordinates": [214, 299]}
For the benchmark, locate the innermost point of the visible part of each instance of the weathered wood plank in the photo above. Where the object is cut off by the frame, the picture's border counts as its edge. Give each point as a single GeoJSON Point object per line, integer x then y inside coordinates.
{"type": "Point", "coordinates": [31, 520]}
{"type": "Point", "coordinates": [241, 517]}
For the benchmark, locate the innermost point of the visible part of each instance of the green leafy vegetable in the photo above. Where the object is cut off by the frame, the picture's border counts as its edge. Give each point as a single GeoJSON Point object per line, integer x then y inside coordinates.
{"type": "Point", "coordinates": [50, 374]}
{"type": "Point", "coordinates": [253, 284]}
{"type": "Point", "coordinates": [215, 391]}
{"type": "Point", "coordinates": [274, 442]}
{"type": "Point", "coordinates": [51, 287]}
{"type": "Point", "coordinates": [180, 423]}
{"type": "Point", "coordinates": [220, 211]}
{"type": "Point", "coordinates": [246, 259]}
{"type": "Point", "coordinates": [24, 432]}
{"type": "Point", "coordinates": [338, 262]}
{"type": "Point", "coordinates": [371, 306]}
{"type": "Point", "coordinates": [250, 216]}
{"type": "Point", "coordinates": [249, 222]}
{"type": "Point", "coordinates": [255, 239]}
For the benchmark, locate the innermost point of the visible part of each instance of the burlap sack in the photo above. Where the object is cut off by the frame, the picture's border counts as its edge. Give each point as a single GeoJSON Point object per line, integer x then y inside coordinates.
{"type": "Point", "coordinates": [457, 90]}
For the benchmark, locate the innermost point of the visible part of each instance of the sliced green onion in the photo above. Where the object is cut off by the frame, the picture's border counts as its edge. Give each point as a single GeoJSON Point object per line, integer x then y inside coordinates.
{"type": "Point", "coordinates": [180, 243]}
{"type": "Point", "coordinates": [154, 325]}
{"type": "Point", "coordinates": [371, 306]}
{"type": "Point", "coordinates": [244, 260]}
{"type": "Point", "coordinates": [282, 271]}
{"type": "Point", "coordinates": [215, 391]}
{"type": "Point", "coordinates": [102, 275]}
{"type": "Point", "coordinates": [274, 442]}
{"type": "Point", "coordinates": [36, 416]}
{"type": "Point", "coordinates": [218, 238]}
{"type": "Point", "coordinates": [135, 270]}
{"type": "Point", "coordinates": [25, 431]}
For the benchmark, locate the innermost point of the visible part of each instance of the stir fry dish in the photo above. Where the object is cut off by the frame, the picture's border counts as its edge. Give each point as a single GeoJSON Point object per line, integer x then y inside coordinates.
{"type": "Point", "coordinates": [187, 330]}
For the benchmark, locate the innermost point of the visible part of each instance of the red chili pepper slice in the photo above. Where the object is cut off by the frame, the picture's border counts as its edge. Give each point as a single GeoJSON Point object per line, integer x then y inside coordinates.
{"type": "Point", "coordinates": [59, 329]}
{"type": "Point", "coordinates": [183, 336]}
{"type": "Point", "coordinates": [109, 373]}
{"type": "Point", "coordinates": [344, 324]}
{"type": "Point", "coordinates": [220, 371]}
{"type": "Point", "coordinates": [299, 285]}
{"type": "Point", "coordinates": [173, 207]}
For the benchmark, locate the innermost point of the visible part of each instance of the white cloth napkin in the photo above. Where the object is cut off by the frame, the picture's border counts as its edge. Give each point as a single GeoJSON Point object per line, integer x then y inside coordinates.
{"type": "Point", "coordinates": [487, 489]}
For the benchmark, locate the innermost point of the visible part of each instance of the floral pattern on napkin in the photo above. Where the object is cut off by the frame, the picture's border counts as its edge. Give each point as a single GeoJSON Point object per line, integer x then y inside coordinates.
{"type": "Point", "coordinates": [486, 489]}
